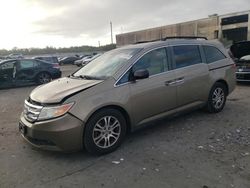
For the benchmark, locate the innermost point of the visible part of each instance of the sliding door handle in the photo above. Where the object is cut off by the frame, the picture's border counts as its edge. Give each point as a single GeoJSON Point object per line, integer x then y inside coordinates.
{"type": "Point", "coordinates": [170, 83]}
{"type": "Point", "coordinates": [179, 80]}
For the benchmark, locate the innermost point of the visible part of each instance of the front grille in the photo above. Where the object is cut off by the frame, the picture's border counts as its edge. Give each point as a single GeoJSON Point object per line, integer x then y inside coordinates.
{"type": "Point", "coordinates": [34, 102]}
{"type": "Point", "coordinates": [243, 76]}
{"type": "Point", "coordinates": [243, 65]}
{"type": "Point", "coordinates": [31, 112]}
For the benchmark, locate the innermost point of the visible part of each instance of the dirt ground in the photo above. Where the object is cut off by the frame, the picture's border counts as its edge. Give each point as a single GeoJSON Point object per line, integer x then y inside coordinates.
{"type": "Point", "coordinates": [196, 150]}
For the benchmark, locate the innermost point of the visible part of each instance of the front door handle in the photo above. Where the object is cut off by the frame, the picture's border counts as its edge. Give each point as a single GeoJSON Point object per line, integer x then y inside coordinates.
{"type": "Point", "coordinates": [177, 81]}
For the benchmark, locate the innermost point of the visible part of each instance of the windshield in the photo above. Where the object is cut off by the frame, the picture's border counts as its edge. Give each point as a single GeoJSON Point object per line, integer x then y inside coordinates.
{"type": "Point", "coordinates": [106, 65]}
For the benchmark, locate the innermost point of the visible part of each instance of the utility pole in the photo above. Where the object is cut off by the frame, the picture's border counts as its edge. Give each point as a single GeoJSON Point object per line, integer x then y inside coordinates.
{"type": "Point", "coordinates": [99, 43]}
{"type": "Point", "coordinates": [111, 29]}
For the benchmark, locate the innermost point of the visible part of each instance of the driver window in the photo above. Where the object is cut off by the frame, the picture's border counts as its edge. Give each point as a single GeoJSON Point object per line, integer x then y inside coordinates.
{"type": "Point", "coordinates": [155, 62]}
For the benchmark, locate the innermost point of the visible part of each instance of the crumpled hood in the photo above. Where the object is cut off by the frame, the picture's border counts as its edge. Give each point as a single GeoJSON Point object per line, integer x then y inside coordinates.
{"type": "Point", "coordinates": [56, 91]}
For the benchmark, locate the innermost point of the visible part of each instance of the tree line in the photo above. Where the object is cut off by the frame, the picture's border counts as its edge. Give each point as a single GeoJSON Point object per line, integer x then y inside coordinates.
{"type": "Point", "coordinates": [53, 50]}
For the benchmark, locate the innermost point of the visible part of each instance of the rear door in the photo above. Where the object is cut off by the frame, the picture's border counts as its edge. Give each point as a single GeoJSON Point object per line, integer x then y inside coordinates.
{"type": "Point", "coordinates": [192, 74]}
{"type": "Point", "coordinates": [26, 70]}
{"type": "Point", "coordinates": [154, 95]}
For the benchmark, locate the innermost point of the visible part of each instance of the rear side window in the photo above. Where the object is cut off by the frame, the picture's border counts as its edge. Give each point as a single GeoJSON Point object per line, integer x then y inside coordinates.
{"type": "Point", "coordinates": [213, 54]}
{"type": "Point", "coordinates": [186, 55]}
{"type": "Point", "coordinates": [36, 63]}
{"type": "Point", "coordinates": [24, 64]}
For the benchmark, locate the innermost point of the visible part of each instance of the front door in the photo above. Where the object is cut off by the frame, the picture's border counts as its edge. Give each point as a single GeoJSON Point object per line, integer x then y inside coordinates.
{"type": "Point", "coordinates": [7, 74]}
{"type": "Point", "coordinates": [156, 94]}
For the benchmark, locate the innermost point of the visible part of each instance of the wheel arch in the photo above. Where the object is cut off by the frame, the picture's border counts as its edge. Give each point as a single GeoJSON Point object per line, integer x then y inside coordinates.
{"type": "Point", "coordinates": [116, 107]}
{"type": "Point", "coordinates": [222, 81]}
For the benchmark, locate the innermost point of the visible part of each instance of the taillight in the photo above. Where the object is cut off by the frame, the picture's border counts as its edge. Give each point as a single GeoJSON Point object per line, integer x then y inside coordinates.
{"type": "Point", "coordinates": [56, 66]}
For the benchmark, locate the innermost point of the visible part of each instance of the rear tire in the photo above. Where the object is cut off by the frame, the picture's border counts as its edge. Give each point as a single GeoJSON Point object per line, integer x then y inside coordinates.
{"type": "Point", "coordinates": [43, 78]}
{"type": "Point", "coordinates": [104, 131]}
{"type": "Point", "coordinates": [217, 98]}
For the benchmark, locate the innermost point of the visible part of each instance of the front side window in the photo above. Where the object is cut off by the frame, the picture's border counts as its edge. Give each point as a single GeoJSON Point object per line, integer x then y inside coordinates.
{"type": "Point", "coordinates": [186, 55]}
{"type": "Point", "coordinates": [125, 78]}
{"type": "Point", "coordinates": [155, 62]}
{"type": "Point", "coordinates": [8, 65]}
{"type": "Point", "coordinates": [213, 54]}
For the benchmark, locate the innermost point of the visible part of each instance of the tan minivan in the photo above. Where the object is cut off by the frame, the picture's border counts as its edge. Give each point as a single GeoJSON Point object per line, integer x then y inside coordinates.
{"type": "Point", "coordinates": [124, 89]}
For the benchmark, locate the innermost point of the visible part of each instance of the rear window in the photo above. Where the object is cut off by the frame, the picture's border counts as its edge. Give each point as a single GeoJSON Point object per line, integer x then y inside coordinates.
{"type": "Point", "coordinates": [213, 54]}
{"type": "Point", "coordinates": [186, 55]}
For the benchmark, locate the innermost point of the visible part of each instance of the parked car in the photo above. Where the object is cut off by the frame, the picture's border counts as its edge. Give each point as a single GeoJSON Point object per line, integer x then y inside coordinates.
{"type": "Point", "coordinates": [87, 60]}
{"type": "Point", "coordinates": [123, 90]}
{"type": "Point", "coordinates": [15, 56]}
{"type": "Point", "coordinates": [49, 59]}
{"type": "Point", "coordinates": [25, 71]}
{"type": "Point", "coordinates": [79, 62]}
{"type": "Point", "coordinates": [68, 60]}
{"type": "Point", "coordinates": [241, 54]}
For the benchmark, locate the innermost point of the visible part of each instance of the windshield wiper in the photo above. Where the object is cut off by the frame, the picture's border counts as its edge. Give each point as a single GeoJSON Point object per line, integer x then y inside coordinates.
{"type": "Point", "coordinates": [87, 77]}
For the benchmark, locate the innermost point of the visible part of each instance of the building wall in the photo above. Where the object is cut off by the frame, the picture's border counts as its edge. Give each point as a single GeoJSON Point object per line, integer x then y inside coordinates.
{"type": "Point", "coordinates": [248, 36]}
{"type": "Point", "coordinates": [209, 27]}
{"type": "Point", "coordinates": [233, 26]}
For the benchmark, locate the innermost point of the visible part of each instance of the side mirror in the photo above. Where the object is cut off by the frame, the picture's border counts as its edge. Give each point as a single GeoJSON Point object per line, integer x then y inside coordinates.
{"type": "Point", "coordinates": [140, 74]}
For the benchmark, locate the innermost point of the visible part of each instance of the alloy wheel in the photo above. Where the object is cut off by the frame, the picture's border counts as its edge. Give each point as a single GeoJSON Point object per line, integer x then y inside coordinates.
{"type": "Point", "coordinates": [218, 98]}
{"type": "Point", "coordinates": [44, 78]}
{"type": "Point", "coordinates": [106, 132]}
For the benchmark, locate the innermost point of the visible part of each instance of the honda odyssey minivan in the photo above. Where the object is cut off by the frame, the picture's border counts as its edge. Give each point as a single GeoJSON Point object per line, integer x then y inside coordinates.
{"type": "Point", "coordinates": [124, 89]}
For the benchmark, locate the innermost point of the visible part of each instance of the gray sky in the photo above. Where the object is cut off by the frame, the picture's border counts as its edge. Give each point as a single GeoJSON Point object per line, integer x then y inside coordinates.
{"type": "Point", "coordinates": [62, 23]}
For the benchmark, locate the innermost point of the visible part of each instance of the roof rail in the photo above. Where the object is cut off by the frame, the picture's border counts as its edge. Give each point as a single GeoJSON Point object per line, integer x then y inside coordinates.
{"type": "Point", "coordinates": [173, 37]}
{"type": "Point", "coordinates": [185, 37]}
{"type": "Point", "coordinates": [140, 42]}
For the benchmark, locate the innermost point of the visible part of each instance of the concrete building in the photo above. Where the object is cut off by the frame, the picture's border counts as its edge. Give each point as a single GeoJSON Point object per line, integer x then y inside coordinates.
{"type": "Point", "coordinates": [232, 27]}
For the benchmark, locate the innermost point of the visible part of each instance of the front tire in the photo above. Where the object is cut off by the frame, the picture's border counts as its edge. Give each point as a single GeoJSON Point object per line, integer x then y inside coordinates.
{"type": "Point", "coordinates": [217, 98]}
{"type": "Point", "coordinates": [104, 131]}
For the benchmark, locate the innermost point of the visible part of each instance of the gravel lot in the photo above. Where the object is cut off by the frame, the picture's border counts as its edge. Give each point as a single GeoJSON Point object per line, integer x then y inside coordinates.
{"type": "Point", "coordinates": [194, 150]}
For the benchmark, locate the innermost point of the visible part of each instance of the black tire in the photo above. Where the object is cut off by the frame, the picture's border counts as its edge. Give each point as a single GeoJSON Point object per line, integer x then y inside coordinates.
{"type": "Point", "coordinates": [213, 105]}
{"type": "Point", "coordinates": [99, 118]}
{"type": "Point", "coordinates": [43, 78]}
